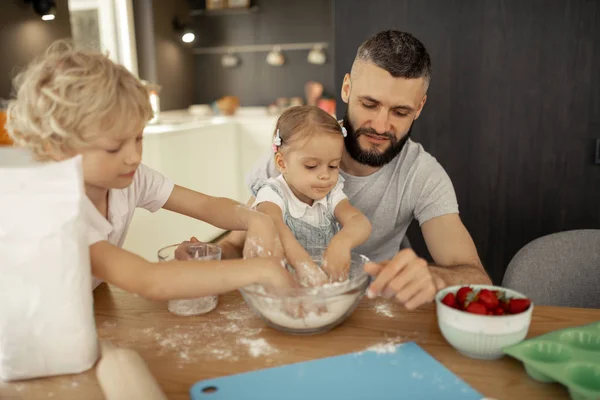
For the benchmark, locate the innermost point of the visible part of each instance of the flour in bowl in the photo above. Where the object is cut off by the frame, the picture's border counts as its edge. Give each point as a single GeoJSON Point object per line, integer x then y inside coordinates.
{"type": "Point", "coordinates": [334, 308]}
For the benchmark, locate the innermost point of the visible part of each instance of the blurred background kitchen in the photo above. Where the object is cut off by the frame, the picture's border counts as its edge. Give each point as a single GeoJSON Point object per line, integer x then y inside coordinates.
{"type": "Point", "coordinates": [513, 112]}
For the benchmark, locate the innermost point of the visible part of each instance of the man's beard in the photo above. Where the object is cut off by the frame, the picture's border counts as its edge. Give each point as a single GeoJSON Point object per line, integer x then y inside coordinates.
{"type": "Point", "coordinates": [372, 158]}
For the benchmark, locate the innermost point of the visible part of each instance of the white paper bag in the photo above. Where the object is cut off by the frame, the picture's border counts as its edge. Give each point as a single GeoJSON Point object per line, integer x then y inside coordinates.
{"type": "Point", "coordinates": [46, 306]}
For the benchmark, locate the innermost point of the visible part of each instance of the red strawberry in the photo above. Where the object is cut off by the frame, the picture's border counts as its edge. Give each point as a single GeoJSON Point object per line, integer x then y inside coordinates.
{"type": "Point", "coordinates": [488, 299]}
{"type": "Point", "coordinates": [499, 311]}
{"type": "Point", "coordinates": [449, 300]}
{"type": "Point", "coordinates": [490, 313]}
{"type": "Point", "coordinates": [516, 306]}
{"type": "Point", "coordinates": [477, 308]}
{"type": "Point", "coordinates": [461, 295]}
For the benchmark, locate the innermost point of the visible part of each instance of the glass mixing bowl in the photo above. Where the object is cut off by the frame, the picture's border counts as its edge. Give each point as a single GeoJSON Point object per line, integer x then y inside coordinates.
{"type": "Point", "coordinates": [305, 311]}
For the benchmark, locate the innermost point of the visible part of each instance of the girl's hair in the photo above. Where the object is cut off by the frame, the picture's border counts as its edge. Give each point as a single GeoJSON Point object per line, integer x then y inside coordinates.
{"type": "Point", "coordinates": [302, 122]}
{"type": "Point", "coordinates": [66, 98]}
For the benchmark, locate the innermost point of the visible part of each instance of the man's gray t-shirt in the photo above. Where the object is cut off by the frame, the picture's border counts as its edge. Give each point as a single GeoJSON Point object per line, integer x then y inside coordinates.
{"type": "Point", "coordinates": [412, 185]}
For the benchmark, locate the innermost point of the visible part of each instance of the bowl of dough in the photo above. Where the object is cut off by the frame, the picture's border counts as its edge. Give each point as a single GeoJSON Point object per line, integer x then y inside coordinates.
{"type": "Point", "coordinates": [310, 310]}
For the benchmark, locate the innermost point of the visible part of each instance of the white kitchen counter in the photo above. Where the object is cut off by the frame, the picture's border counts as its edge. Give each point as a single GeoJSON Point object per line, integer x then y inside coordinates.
{"type": "Point", "coordinates": [212, 155]}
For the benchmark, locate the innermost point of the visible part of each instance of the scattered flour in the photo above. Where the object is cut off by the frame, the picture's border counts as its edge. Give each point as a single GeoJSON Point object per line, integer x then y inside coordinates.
{"type": "Point", "coordinates": [229, 335]}
{"type": "Point", "coordinates": [258, 347]}
{"type": "Point", "coordinates": [388, 346]}
{"type": "Point", "coordinates": [383, 348]}
{"type": "Point", "coordinates": [384, 309]}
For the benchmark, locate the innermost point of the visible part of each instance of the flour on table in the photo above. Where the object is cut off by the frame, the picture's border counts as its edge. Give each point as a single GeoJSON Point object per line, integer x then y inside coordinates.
{"type": "Point", "coordinates": [386, 347]}
{"type": "Point", "coordinates": [384, 308]}
{"type": "Point", "coordinates": [383, 348]}
{"type": "Point", "coordinates": [258, 347]}
{"type": "Point", "coordinates": [215, 336]}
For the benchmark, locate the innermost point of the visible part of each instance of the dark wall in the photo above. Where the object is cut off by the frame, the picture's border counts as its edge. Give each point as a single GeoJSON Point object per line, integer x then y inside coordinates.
{"type": "Point", "coordinates": [254, 81]}
{"type": "Point", "coordinates": [170, 62]}
{"type": "Point", "coordinates": [24, 36]}
{"type": "Point", "coordinates": [512, 113]}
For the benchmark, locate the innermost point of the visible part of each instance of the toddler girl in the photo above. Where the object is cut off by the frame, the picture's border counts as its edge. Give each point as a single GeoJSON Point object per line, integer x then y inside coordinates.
{"type": "Point", "coordinates": [306, 201]}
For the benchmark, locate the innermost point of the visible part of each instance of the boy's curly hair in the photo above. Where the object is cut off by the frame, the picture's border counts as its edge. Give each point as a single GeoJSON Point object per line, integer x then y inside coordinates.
{"type": "Point", "coordinates": [67, 97]}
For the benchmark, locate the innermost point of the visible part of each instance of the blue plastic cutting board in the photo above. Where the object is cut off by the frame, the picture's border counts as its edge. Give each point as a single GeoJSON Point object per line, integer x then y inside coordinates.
{"type": "Point", "coordinates": [407, 373]}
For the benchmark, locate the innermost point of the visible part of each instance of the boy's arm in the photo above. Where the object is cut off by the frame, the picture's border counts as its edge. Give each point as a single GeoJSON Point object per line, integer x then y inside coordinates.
{"type": "Point", "coordinates": [182, 279]}
{"type": "Point", "coordinates": [228, 214]}
{"type": "Point", "coordinates": [221, 212]}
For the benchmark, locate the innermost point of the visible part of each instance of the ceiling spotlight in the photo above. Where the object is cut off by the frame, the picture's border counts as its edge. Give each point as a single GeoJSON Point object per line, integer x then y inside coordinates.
{"type": "Point", "coordinates": [317, 56]}
{"type": "Point", "coordinates": [187, 34]}
{"type": "Point", "coordinates": [188, 37]}
{"type": "Point", "coordinates": [45, 8]}
{"type": "Point", "coordinates": [275, 57]}
{"type": "Point", "coordinates": [230, 60]}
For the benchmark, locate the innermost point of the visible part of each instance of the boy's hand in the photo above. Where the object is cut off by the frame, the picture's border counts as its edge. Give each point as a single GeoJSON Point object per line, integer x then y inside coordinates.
{"type": "Point", "coordinates": [182, 252]}
{"type": "Point", "coordinates": [276, 276]}
{"type": "Point", "coordinates": [336, 260]}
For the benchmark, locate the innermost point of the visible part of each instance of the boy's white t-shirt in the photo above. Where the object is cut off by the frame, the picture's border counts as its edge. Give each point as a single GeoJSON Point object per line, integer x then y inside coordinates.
{"type": "Point", "coordinates": [313, 215]}
{"type": "Point", "coordinates": [149, 189]}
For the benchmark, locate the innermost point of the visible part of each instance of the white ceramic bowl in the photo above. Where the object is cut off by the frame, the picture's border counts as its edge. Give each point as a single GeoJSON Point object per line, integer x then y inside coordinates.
{"type": "Point", "coordinates": [481, 336]}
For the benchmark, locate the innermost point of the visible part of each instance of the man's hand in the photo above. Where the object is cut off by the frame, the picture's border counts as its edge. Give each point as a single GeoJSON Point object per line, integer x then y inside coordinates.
{"type": "Point", "coordinates": [407, 278]}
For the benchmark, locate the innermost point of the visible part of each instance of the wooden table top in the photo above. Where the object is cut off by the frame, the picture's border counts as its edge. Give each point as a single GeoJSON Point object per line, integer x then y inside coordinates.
{"type": "Point", "coordinates": [182, 350]}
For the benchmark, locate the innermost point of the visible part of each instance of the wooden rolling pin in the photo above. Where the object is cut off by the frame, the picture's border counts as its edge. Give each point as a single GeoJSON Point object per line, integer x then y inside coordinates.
{"type": "Point", "coordinates": [123, 375]}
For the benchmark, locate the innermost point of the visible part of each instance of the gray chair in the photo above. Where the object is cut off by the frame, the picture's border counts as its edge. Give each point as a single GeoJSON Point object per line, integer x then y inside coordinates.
{"type": "Point", "coordinates": [561, 269]}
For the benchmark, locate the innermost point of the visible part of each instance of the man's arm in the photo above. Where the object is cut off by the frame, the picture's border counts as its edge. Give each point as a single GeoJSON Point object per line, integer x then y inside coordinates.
{"type": "Point", "coordinates": [453, 251]}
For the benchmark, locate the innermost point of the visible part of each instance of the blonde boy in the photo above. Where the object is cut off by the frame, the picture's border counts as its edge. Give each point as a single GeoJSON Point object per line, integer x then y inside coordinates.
{"type": "Point", "coordinates": [72, 102]}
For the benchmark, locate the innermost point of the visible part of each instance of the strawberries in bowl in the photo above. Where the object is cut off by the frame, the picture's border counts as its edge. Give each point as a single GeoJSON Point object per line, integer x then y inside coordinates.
{"type": "Point", "coordinates": [485, 301]}
{"type": "Point", "coordinates": [480, 320]}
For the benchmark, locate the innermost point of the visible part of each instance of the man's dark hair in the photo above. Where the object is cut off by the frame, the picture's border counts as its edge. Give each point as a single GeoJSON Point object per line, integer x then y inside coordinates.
{"type": "Point", "coordinates": [399, 53]}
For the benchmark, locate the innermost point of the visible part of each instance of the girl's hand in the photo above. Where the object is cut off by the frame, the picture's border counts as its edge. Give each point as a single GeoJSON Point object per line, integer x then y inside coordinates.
{"type": "Point", "coordinates": [336, 260]}
{"type": "Point", "coordinates": [310, 274]}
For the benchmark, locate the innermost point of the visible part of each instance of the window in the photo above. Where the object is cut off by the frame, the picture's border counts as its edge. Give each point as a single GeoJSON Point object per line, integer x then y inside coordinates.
{"type": "Point", "coordinates": [105, 25]}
